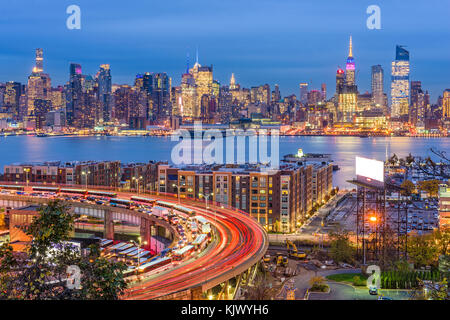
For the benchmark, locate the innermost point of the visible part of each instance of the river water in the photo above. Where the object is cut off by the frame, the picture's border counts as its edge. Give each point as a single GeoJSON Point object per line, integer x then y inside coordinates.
{"type": "Point", "coordinates": [133, 149]}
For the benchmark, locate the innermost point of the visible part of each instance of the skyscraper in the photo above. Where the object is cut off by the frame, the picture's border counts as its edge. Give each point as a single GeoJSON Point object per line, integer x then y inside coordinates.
{"type": "Point", "coordinates": [347, 91]}
{"type": "Point", "coordinates": [104, 93]}
{"type": "Point", "coordinates": [39, 61]}
{"type": "Point", "coordinates": [400, 84]}
{"type": "Point", "coordinates": [377, 86]}
{"type": "Point", "coordinates": [323, 89]}
{"type": "Point", "coordinates": [303, 93]}
{"type": "Point", "coordinates": [161, 94]}
{"type": "Point", "coordinates": [73, 93]}
{"type": "Point", "coordinates": [417, 109]}
{"type": "Point", "coordinates": [350, 66]}
{"type": "Point", "coordinates": [446, 104]}
{"type": "Point", "coordinates": [39, 84]}
{"type": "Point", "coordinates": [203, 76]}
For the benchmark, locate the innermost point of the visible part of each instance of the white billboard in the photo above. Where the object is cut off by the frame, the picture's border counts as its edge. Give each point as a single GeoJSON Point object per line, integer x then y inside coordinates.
{"type": "Point", "coordinates": [369, 169]}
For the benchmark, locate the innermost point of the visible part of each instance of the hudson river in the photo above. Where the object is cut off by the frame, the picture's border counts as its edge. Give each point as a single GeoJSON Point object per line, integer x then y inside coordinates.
{"type": "Point", "coordinates": [142, 149]}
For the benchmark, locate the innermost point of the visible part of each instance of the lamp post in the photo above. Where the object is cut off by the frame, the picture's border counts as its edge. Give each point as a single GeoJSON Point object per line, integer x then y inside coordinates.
{"type": "Point", "coordinates": [206, 196]}
{"type": "Point", "coordinates": [138, 254]}
{"type": "Point", "coordinates": [84, 173]}
{"type": "Point", "coordinates": [178, 191]}
{"type": "Point", "coordinates": [26, 170]}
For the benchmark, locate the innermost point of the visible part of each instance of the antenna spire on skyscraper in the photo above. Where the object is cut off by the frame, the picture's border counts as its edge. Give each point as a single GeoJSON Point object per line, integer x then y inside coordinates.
{"type": "Point", "coordinates": [196, 56]}
{"type": "Point", "coordinates": [350, 49]}
{"type": "Point", "coordinates": [187, 62]}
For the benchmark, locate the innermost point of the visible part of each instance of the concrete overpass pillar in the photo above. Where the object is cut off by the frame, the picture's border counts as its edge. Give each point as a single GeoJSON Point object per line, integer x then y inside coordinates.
{"type": "Point", "coordinates": [145, 231]}
{"type": "Point", "coordinates": [108, 232]}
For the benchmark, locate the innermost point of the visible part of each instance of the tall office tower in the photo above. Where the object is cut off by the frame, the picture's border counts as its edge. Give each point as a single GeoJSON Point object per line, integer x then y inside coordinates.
{"type": "Point", "coordinates": [203, 77]}
{"type": "Point", "coordinates": [39, 84]}
{"type": "Point", "coordinates": [104, 94]}
{"type": "Point", "coordinates": [377, 86]}
{"type": "Point", "coordinates": [264, 94]}
{"type": "Point", "coordinates": [446, 105]}
{"type": "Point", "coordinates": [324, 91]}
{"type": "Point", "coordinates": [139, 82]}
{"type": "Point", "coordinates": [13, 91]}
{"type": "Point", "coordinates": [39, 61]}
{"type": "Point", "coordinates": [348, 91]}
{"type": "Point", "coordinates": [160, 93]}
{"type": "Point", "coordinates": [350, 66]}
{"type": "Point", "coordinates": [314, 97]}
{"type": "Point", "coordinates": [417, 109]}
{"type": "Point", "coordinates": [340, 81]}
{"type": "Point", "coordinates": [123, 102]}
{"type": "Point", "coordinates": [73, 93]}
{"type": "Point", "coordinates": [216, 88]}
{"type": "Point", "coordinates": [188, 106]}
{"type": "Point", "coordinates": [303, 93]}
{"type": "Point", "coordinates": [400, 84]}
{"type": "Point", "coordinates": [233, 85]}
{"type": "Point", "coordinates": [58, 98]}
{"type": "Point", "coordinates": [276, 94]}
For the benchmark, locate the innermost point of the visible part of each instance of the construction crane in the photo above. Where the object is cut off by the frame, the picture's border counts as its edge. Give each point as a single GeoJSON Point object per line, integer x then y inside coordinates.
{"type": "Point", "coordinates": [294, 252]}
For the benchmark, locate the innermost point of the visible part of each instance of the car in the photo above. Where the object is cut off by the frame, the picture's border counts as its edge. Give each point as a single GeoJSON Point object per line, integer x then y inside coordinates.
{"type": "Point", "coordinates": [373, 290]}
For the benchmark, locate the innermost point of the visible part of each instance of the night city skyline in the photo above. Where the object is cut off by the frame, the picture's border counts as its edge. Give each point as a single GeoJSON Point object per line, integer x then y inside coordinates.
{"type": "Point", "coordinates": [225, 155]}
{"type": "Point", "coordinates": [257, 46]}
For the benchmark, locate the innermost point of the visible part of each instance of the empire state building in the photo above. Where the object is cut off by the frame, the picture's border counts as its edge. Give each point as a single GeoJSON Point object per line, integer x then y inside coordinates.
{"type": "Point", "coordinates": [347, 91]}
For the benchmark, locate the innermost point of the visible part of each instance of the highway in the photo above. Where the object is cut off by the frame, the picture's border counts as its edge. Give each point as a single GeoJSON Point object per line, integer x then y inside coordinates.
{"type": "Point", "coordinates": [239, 242]}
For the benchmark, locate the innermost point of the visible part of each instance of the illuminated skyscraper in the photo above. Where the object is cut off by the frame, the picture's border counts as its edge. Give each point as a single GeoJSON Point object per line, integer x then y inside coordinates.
{"type": "Point", "coordinates": [39, 61]}
{"type": "Point", "coordinates": [303, 93]}
{"type": "Point", "coordinates": [39, 84]}
{"type": "Point", "coordinates": [377, 86]}
{"type": "Point", "coordinates": [160, 93]}
{"type": "Point", "coordinates": [350, 66]}
{"type": "Point", "coordinates": [347, 91]}
{"type": "Point", "coordinates": [340, 80]}
{"type": "Point", "coordinates": [323, 89]}
{"type": "Point", "coordinates": [232, 82]}
{"type": "Point", "coordinates": [73, 94]}
{"type": "Point", "coordinates": [188, 106]}
{"type": "Point", "coordinates": [104, 94]}
{"type": "Point", "coordinates": [400, 84]}
{"type": "Point", "coordinates": [13, 91]}
{"type": "Point", "coordinates": [446, 104]}
{"type": "Point", "coordinates": [203, 76]}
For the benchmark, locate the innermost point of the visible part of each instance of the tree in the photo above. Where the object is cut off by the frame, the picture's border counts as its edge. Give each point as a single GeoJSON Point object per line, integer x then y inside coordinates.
{"type": "Point", "coordinates": [393, 160]}
{"type": "Point", "coordinates": [409, 159]}
{"type": "Point", "coordinates": [430, 186]}
{"type": "Point", "coordinates": [442, 240]}
{"type": "Point", "coordinates": [422, 250]}
{"type": "Point", "coordinates": [318, 284]}
{"type": "Point", "coordinates": [43, 274]}
{"type": "Point", "coordinates": [431, 291]}
{"type": "Point", "coordinates": [261, 289]}
{"type": "Point", "coordinates": [408, 188]}
{"type": "Point", "coordinates": [2, 221]}
{"type": "Point", "coordinates": [341, 249]}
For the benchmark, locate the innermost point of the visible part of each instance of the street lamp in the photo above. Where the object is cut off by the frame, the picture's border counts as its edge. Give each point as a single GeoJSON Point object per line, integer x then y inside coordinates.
{"type": "Point", "coordinates": [26, 170]}
{"type": "Point", "coordinates": [84, 173]}
{"type": "Point", "coordinates": [206, 196]}
{"type": "Point", "coordinates": [138, 254]}
{"type": "Point", "coordinates": [178, 191]}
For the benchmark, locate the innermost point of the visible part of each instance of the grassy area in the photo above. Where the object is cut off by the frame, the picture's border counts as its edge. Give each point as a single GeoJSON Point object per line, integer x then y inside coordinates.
{"type": "Point", "coordinates": [356, 279]}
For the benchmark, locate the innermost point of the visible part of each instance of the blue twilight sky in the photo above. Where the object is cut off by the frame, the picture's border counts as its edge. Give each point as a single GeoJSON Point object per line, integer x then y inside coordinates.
{"type": "Point", "coordinates": [261, 41]}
